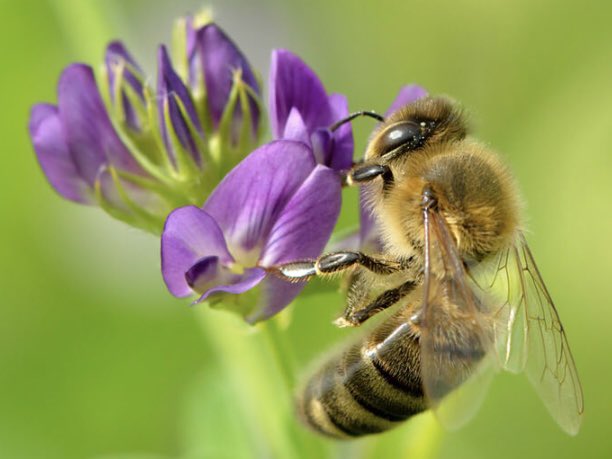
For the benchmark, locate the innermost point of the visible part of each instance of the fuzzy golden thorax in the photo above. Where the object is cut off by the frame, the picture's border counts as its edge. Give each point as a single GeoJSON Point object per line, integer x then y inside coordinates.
{"type": "Point", "coordinates": [425, 144]}
{"type": "Point", "coordinates": [475, 192]}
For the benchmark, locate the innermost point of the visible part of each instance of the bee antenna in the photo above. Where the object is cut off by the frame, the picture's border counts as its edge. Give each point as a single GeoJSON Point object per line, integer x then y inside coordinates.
{"type": "Point", "coordinates": [352, 116]}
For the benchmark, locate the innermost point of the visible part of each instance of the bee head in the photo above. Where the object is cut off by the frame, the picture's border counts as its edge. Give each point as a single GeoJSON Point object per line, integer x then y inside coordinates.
{"type": "Point", "coordinates": [412, 128]}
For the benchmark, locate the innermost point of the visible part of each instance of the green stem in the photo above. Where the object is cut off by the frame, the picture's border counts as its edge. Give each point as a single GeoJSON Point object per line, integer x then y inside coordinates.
{"type": "Point", "coordinates": [281, 348]}
{"type": "Point", "coordinates": [257, 363]}
{"type": "Point", "coordinates": [244, 360]}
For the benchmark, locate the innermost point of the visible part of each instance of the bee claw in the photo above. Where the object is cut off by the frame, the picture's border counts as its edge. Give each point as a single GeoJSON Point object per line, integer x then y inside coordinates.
{"type": "Point", "coordinates": [341, 322]}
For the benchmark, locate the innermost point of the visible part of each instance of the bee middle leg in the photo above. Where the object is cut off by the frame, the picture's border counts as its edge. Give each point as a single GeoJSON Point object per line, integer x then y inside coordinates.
{"type": "Point", "coordinates": [356, 314]}
{"type": "Point", "coordinates": [336, 262]}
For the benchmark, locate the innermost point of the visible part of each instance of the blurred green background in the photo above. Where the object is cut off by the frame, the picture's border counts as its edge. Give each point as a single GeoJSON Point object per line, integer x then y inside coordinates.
{"type": "Point", "coordinates": [98, 360]}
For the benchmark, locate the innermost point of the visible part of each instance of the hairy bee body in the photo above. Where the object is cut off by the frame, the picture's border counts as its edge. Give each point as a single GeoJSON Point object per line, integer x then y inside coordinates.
{"type": "Point", "coordinates": [372, 387]}
{"type": "Point", "coordinates": [361, 391]}
{"type": "Point", "coordinates": [450, 255]}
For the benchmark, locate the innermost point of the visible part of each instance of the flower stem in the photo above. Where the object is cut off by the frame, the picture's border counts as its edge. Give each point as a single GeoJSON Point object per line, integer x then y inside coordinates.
{"type": "Point", "coordinates": [260, 373]}
{"type": "Point", "coordinates": [281, 348]}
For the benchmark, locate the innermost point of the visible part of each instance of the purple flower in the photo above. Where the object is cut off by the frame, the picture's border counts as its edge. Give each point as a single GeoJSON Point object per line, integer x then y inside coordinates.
{"type": "Point", "coordinates": [300, 109]}
{"type": "Point", "coordinates": [75, 140]}
{"type": "Point", "coordinates": [276, 206]}
{"type": "Point", "coordinates": [407, 95]}
{"type": "Point", "coordinates": [180, 126]}
{"type": "Point", "coordinates": [140, 152]}
{"type": "Point", "coordinates": [221, 80]}
{"type": "Point", "coordinates": [225, 67]}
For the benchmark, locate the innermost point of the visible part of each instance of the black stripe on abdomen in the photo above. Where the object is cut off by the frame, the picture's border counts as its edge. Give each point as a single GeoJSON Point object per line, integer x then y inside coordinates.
{"type": "Point", "coordinates": [409, 387]}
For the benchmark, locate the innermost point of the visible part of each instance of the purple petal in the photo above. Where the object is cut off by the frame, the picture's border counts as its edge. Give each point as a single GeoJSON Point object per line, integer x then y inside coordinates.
{"type": "Point", "coordinates": [189, 235]}
{"type": "Point", "coordinates": [322, 141]}
{"type": "Point", "coordinates": [240, 284]}
{"type": "Point", "coordinates": [407, 95]}
{"type": "Point", "coordinates": [305, 223]}
{"type": "Point", "coordinates": [170, 86]}
{"type": "Point", "coordinates": [115, 59]}
{"type": "Point", "coordinates": [294, 84]}
{"type": "Point", "coordinates": [295, 129]}
{"type": "Point", "coordinates": [276, 294]}
{"type": "Point", "coordinates": [350, 241]}
{"type": "Point", "coordinates": [116, 54]}
{"type": "Point", "coordinates": [54, 156]}
{"type": "Point", "coordinates": [247, 203]}
{"type": "Point", "coordinates": [220, 59]}
{"type": "Point", "coordinates": [191, 49]}
{"type": "Point", "coordinates": [342, 156]}
{"type": "Point", "coordinates": [90, 135]}
{"type": "Point", "coordinates": [204, 271]}
{"type": "Point", "coordinates": [209, 276]}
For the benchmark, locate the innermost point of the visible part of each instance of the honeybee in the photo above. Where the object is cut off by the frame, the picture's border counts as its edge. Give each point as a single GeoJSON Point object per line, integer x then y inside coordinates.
{"type": "Point", "coordinates": [453, 259]}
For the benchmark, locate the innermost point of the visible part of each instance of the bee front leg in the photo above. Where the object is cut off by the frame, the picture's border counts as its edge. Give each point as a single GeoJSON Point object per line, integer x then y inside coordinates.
{"type": "Point", "coordinates": [364, 173]}
{"type": "Point", "coordinates": [333, 263]}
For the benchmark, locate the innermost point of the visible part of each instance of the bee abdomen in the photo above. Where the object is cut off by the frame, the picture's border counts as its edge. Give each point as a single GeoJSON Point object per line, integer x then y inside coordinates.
{"type": "Point", "coordinates": [359, 393]}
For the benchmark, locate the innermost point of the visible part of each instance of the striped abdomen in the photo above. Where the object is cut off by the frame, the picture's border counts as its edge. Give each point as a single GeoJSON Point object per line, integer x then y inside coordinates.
{"type": "Point", "coordinates": [365, 391]}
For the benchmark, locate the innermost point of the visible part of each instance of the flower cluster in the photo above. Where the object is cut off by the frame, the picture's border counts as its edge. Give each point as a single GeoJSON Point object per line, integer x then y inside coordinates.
{"type": "Point", "coordinates": [278, 205]}
{"type": "Point", "coordinates": [140, 151]}
{"type": "Point", "coordinates": [179, 150]}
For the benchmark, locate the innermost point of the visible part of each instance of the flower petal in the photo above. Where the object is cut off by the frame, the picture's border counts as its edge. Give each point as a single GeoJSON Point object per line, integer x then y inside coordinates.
{"type": "Point", "coordinates": [239, 284]}
{"type": "Point", "coordinates": [189, 234]}
{"type": "Point", "coordinates": [221, 58]}
{"type": "Point", "coordinates": [247, 203]}
{"type": "Point", "coordinates": [204, 271]}
{"type": "Point", "coordinates": [295, 129]}
{"type": "Point", "coordinates": [276, 294]}
{"type": "Point", "coordinates": [117, 55]}
{"type": "Point", "coordinates": [342, 156]}
{"type": "Point", "coordinates": [91, 138]}
{"type": "Point", "coordinates": [191, 55]}
{"type": "Point", "coordinates": [54, 156]}
{"type": "Point", "coordinates": [322, 141]}
{"type": "Point", "coordinates": [406, 95]}
{"type": "Point", "coordinates": [170, 87]}
{"type": "Point", "coordinates": [120, 64]}
{"type": "Point", "coordinates": [294, 84]}
{"type": "Point", "coordinates": [305, 223]}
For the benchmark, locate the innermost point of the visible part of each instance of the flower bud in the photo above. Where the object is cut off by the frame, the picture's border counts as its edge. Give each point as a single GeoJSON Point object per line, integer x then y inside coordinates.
{"type": "Point", "coordinates": [125, 87]}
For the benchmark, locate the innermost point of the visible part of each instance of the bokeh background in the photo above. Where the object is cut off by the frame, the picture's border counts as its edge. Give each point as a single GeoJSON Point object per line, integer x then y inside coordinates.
{"type": "Point", "coordinates": [98, 360]}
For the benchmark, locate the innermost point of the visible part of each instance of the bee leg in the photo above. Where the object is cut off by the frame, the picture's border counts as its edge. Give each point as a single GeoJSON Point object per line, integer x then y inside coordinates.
{"type": "Point", "coordinates": [339, 261]}
{"type": "Point", "coordinates": [354, 317]}
{"type": "Point", "coordinates": [364, 173]}
{"type": "Point", "coordinates": [334, 263]}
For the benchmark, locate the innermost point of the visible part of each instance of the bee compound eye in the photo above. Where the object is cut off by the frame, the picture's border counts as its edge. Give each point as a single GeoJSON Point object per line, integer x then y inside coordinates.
{"type": "Point", "coordinates": [408, 134]}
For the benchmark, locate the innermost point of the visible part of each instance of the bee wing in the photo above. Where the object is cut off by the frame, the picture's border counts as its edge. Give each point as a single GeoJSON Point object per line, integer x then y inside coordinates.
{"type": "Point", "coordinates": [457, 331]}
{"type": "Point", "coordinates": [529, 335]}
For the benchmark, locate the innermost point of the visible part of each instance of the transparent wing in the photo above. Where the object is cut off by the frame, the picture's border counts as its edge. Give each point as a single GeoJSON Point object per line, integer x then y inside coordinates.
{"type": "Point", "coordinates": [533, 338]}
{"type": "Point", "coordinates": [457, 330]}
{"type": "Point", "coordinates": [498, 281]}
